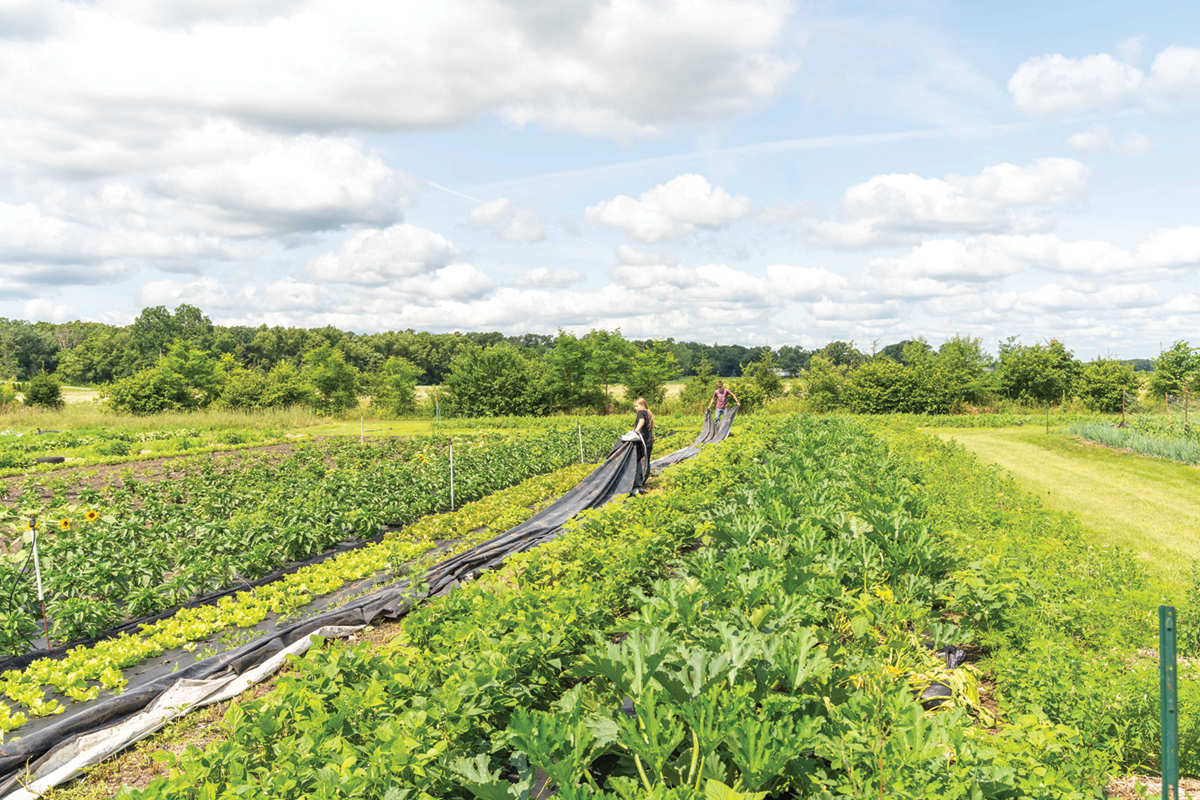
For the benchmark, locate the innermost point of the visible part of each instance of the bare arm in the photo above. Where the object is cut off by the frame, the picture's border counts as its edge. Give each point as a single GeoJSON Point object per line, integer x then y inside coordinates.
{"type": "Point", "coordinates": [639, 425]}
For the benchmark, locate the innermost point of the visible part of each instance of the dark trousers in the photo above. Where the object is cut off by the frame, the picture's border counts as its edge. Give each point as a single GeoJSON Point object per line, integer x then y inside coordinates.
{"type": "Point", "coordinates": [649, 450]}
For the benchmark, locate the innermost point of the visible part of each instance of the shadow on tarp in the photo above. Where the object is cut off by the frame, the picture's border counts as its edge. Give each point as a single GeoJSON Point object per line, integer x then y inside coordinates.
{"type": "Point", "coordinates": [58, 751]}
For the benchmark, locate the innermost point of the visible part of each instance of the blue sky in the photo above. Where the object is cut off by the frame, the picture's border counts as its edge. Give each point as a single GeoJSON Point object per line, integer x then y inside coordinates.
{"type": "Point", "coordinates": [758, 171]}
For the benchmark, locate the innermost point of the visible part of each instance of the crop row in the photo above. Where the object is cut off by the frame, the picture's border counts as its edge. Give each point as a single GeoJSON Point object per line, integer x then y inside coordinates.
{"type": "Point", "coordinates": [785, 658]}
{"type": "Point", "coordinates": [84, 672]}
{"type": "Point", "coordinates": [136, 548]}
{"type": "Point", "coordinates": [20, 451]}
{"type": "Point", "coordinates": [1175, 443]}
{"type": "Point", "coordinates": [464, 661]}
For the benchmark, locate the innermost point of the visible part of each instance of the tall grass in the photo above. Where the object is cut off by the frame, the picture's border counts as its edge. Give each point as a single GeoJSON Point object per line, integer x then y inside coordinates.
{"type": "Point", "coordinates": [82, 417]}
{"type": "Point", "coordinates": [1168, 447]}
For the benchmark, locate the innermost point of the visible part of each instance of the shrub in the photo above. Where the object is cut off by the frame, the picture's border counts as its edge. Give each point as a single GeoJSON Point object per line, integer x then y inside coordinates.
{"type": "Point", "coordinates": [244, 389]}
{"type": "Point", "coordinates": [149, 391]}
{"type": "Point", "coordinates": [335, 381]}
{"type": "Point", "coordinates": [396, 390]}
{"type": "Point", "coordinates": [44, 391]}
{"type": "Point", "coordinates": [113, 447]}
{"type": "Point", "coordinates": [494, 382]}
{"type": "Point", "coordinates": [825, 384]}
{"type": "Point", "coordinates": [699, 389]}
{"type": "Point", "coordinates": [1103, 382]}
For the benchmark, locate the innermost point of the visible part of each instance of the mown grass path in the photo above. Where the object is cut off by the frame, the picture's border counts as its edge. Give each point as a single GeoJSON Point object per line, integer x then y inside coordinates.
{"type": "Point", "coordinates": [1147, 505]}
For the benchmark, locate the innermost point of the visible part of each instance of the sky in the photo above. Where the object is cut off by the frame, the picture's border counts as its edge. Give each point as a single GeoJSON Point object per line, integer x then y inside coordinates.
{"type": "Point", "coordinates": [733, 171]}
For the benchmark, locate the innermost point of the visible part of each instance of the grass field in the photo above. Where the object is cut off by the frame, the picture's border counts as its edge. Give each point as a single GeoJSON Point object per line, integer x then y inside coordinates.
{"type": "Point", "coordinates": [1150, 506]}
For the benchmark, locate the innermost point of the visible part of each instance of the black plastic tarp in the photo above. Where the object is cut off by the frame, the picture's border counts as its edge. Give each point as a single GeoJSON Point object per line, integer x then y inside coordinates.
{"type": "Point", "coordinates": [618, 475]}
{"type": "Point", "coordinates": [710, 433]}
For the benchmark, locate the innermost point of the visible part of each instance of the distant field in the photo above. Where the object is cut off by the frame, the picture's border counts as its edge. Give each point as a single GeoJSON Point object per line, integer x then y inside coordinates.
{"type": "Point", "coordinates": [1147, 505]}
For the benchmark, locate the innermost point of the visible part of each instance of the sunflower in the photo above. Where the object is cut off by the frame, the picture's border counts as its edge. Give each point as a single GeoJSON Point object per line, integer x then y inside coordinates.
{"type": "Point", "coordinates": [65, 524]}
{"type": "Point", "coordinates": [92, 515]}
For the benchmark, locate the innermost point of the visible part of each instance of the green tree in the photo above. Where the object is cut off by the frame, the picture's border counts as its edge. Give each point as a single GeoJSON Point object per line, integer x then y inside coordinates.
{"type": "Point", "coordinates": [652, 367]}
{"type": "Point", "coordinates": [793, 360]}
{"type": "Point", "coordinates": [883, 386]}
{"type": "Point", "coordinates": [824, 384]}
{"type": "Point", "coordinates": [243, 389]}
{"type": "Point", "coordinates": [842, 354]}
{"type": "Point", "coordinates": [572, 378]}
{"type": "Point", "coordinates": [8, 396]}
{"type": "Point", "coordinates": [610, 357]}
{"type": "Point", "coordinates": [334, 381]}
{"type": "Point", "coordinates": [764, 373]}
{"type": "Point", "coordinates": [1103, 382]}
{"type": "Point", "coordinates": [1175, 368]}
{"type": "Point", "coordinates": [967, 366]}
{"type": "Point", "coordinates": [879, 386]}
{"type": "Point", "coordinates": [286, 387]}
{"type": "Point", "coordinates": [198, 369]}
{"type": "Point", "coordinates": [44, 391]}
{"type": "Point", "coordinates": [1040, 373]}
{"type": "Point", "coordinates": [698, 391]}
{"type": "Point", "coordinates": [149, 391]}
{"type": "Point", "coordinates": [396, 389]}
{"type": "Point", "coordinates": [496, 381]}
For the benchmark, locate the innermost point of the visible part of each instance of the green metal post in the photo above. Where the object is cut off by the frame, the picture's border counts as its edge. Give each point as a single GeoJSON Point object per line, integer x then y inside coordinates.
{"type": "Point", "coordinates": [1168, 689]}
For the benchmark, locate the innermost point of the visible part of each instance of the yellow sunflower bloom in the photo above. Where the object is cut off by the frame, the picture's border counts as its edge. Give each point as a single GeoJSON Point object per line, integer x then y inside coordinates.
{"type": "Point", "coordinates": [65, 524]}
{"type": "Point", "coordinates": [92, 516]}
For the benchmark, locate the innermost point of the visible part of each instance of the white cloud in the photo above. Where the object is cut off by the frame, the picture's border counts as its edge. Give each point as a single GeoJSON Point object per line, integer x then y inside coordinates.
{"type": "Point", "coordinates": [509, 221]}
{"type": "Point", "coordinates": [989, 257]}
{"type": "Point", "coordinates": [551, 278]}
{"type": "Point", "coordinates": [1175, 74]}
{"type": "Point", "coordinates": [783, 211]}
{"type": "Point", "coordinates": [275, 184]}
{"type": "Point", "coordinates": [647, 275]}
{"type": "Point", "coordinates": [803, 283]}
{"type": "Point", "coordinates": [1054, 85]}
{"type": "Point", "coordinates": [47, 311]}
{"type": "Point", "coordinates": [1005, 197]}
{"type": "Point", "coordinates": [637, 258]}
{"type": "Point", "coordinates": [1055, 297]}
{"type": "Point", "coordinates": [376, 257]}
{"type": "Point", "coordinates": [1098, 139]}
{"type": "Point", "coordinates": [1170, 248]}
{"type": "Point", "coordinates": [452, 282]}
{"type": "Point", "coordinates": [1130, 50]}
{"type": "Point", "coordinates": [670, 210]}
{"type": "Point", "coordinates": [621, 68]}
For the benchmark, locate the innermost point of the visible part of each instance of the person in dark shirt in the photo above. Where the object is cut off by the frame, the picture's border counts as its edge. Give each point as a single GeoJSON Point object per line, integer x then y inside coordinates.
{"type": "Point", "coordinates": [721, 398]}
{"type": "Point", "coordinates": [645, 428]}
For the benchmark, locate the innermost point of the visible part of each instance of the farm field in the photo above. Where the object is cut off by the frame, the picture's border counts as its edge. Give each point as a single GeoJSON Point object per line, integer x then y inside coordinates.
{"type": "Point", "coordinates": [138, 543]}
{"type": "Point", "coordinates": [1147, 505]}
{"type": "Point", "coordinates": [847, 573]}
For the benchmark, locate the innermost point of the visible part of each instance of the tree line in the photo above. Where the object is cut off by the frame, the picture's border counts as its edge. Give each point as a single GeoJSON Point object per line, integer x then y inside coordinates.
{"type": "Point", "coordinates": [95, 353]}
{"type": "Point", "coordinates": [179, 360]}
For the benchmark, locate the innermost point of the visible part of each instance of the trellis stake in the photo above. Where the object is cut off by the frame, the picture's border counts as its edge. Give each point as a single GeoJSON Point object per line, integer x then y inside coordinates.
{"type": "Point", "coordinates": [1169, 692]}
{"type": "Point", "coordinates": [37, 571]}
